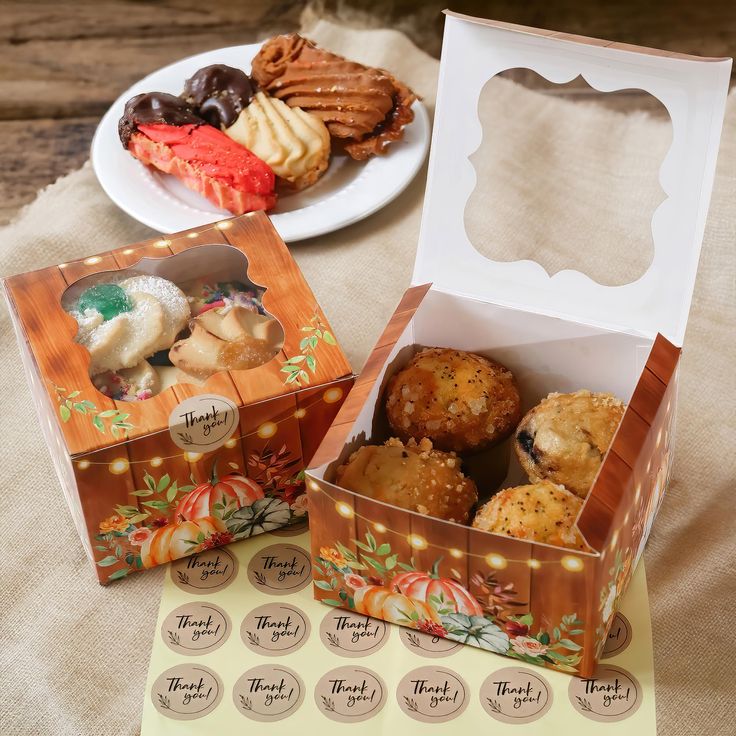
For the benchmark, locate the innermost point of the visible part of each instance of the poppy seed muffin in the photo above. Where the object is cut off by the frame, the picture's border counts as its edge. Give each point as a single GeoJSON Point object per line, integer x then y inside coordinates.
{"type": "Point", "coordinates": [566, 436]}
{"type": "Point", "coordinates": [540, 512]}
{"type": "Point", "coordinates": [412, 476]}
{"type": "Point", "coordinates": [461, 401]}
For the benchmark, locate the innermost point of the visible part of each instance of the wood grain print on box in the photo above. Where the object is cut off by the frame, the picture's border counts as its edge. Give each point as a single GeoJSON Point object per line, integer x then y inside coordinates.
{"type": "Point", "coordinates": [533, 602]}
{"type": "Point", "coordinates": [137, 497]}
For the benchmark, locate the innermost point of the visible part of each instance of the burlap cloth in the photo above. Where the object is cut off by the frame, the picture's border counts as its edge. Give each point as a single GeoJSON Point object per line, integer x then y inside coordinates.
{"type": "Point", "coordinates": [74, 654]}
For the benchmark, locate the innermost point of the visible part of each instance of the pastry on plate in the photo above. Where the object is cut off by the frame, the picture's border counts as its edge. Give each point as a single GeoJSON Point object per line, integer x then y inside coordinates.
{"type": "Point", "coordinates": [540, 512]}
{"type": "Point", "coordinates": [461, 401]}
{"type": "Point", "coordinates": [367, 108]}
{"type": "Point", "coordinates": [239, 339]}
{"type": "Point", "coordinates": [123, 322]}
{"type": "Point", "coordinates": [566, 436]}
{"type": "Point", "coordinates": [412, 476]}
{"type": "Point", "coordinates": [163, 131]}
{"type": "Point", "coordinates": [129, 384]}
{"type": "Point", "coordinates": [294, 143]}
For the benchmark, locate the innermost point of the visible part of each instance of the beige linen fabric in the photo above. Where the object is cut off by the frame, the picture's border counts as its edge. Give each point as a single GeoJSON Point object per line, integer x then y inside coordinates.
{"type": "Point", "coordinates": [74, 654]}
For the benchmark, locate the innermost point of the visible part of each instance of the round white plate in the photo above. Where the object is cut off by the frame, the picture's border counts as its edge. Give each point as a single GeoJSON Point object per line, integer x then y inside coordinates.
{"type": "Point", "coordinates": [348, 191]}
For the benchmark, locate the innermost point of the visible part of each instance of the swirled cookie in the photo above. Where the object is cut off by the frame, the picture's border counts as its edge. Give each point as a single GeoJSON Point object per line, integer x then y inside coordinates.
{"type": "Point", "coordinates": [294, 143]}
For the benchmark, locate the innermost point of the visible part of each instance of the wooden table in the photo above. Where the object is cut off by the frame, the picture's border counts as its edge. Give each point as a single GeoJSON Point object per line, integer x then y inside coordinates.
{"type": "Point", "coordinates": [62, 64]}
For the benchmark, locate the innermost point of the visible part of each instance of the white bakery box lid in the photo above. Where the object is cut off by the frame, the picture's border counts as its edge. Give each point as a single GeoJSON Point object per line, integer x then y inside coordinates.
{"type": "Point", "coordinates": [692, 89]}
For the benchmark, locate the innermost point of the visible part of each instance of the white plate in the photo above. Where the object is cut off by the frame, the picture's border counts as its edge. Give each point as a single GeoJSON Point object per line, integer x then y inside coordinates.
{"type": "Point", "coordinates": [348, 191]}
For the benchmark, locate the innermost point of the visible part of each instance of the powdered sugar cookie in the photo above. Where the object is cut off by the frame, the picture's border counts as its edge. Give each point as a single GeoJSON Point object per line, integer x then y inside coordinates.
{"type": "Point", "coordinates": [126, 338]}
{"type": "Point", "coordinates": [172, 300]}
{"type": "Point", "coordinates": [124, 321]}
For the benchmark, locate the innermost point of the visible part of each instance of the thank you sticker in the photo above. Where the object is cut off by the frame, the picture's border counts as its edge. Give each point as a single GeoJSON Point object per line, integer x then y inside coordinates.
{"type": "Point", "coordinates": [515, 695]}
{"type": "Point", "coordinates": [203, 423]}
{"type": "Point", "coordinates": [351, 634]}
{"type": "Point", "coordinates": [619, 636]}
{"type": "Point", "coordinates": [275, 629]}
{"type": "Point", "coordinates": [204, 572]}
{"type": "Point", "coordinates": [612, 695]}
{"type": "Point", "coordinates": [186, 692]}
{"type": "Point", "coordinates": [196, 628]}
{"type": "Point", "coordinates": [268, 693]}
{"type": "Point", "coordinates": [426, 644]}
{"type": "Point", "coordinates": [432, 694]}
{"type": "Point", "coordinates": [350, 694]}
{"type": "Point", "coordinates": [280, 569]}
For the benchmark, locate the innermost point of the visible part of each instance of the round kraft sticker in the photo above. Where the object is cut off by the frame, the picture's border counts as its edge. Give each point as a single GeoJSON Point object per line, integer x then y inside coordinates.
{"type": "Point", "coordinates": [280, 569]}
{"type": "Point", "coordinates": [612, 695]}
{"type": "Point", "coordinates": [427, 645]}
{"type": "Point", "coordinates": [203, 423]}
{"type": "Point", "coordinates": [275, 629]}
{"type": "Point", "coordinates": [619, 636]}
{"type": "Point", "coordinates": [186, 692]}
{"type": "Point", "coordinates": [196, 628]}
{"type": "Point", "coordinates": [351, 634]}
{"type": "Point", "coordinates": [515, 695]}
{"type": "Point", "coordinates": [268, 693]}
{"type": "Point", "coordinates": [432, 694]}
{"type": "Point", "coordinates": [205, 572]}
{"type": "Point", "coordinates": [350, 694]}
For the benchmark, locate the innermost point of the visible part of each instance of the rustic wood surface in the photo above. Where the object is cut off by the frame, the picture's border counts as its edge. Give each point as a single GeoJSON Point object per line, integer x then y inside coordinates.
{"type": "Point", "coordinates": [61, 65]}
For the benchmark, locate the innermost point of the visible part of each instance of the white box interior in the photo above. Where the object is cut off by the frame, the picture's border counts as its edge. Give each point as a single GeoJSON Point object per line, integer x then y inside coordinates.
{"type": "Point", "coordinates": [544, 353]}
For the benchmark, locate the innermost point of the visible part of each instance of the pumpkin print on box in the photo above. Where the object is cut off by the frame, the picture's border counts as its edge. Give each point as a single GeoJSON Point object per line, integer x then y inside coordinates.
{"type": "Point", "coordinates": [178, 539]}
{"type": "Point", "coordinates": [386, 603]}
{"type": "Point", "coordinates": [219, 494]}
{"type": "Point", "coordinates": [443, 594]}
{"type": "Point", "coordinates": [135, 494]}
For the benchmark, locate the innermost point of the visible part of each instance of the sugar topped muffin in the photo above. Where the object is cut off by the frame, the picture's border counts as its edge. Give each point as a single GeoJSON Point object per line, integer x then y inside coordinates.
{"type": "Point", "coordinates": [412, 476]}
{"type": "Point", "coordinates": [566, 436]}
{"type": "Point", "coordinates": [463, 402]}
{"type": "Point", "coordinates": [540, 512]}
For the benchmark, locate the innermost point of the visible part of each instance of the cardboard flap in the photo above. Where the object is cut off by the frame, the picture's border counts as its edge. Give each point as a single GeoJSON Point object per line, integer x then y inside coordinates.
{"type": "Point", "coordinates": [693, 90]}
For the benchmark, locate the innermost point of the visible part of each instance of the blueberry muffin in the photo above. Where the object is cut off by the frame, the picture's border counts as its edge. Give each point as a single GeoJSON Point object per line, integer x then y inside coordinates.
{"type": "Point", "coordinates": [565, 438]}
{"type": "Point", "coordinates": [461, 401]}
{"type": "Point", "coordinates": [412, 476]}
{"type": "Point", "coordinates": [540, 512]}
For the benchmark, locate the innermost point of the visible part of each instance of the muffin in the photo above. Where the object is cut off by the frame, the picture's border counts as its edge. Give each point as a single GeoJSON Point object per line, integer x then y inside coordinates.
{"type": "Point", "coordinates": [540, 512]}
{"type": "Point", "coordinates": [461, 401]}
{"type": "Point", "coordinates": [565, 438]}
{"type": "Point", "coordinates": [412, 476]}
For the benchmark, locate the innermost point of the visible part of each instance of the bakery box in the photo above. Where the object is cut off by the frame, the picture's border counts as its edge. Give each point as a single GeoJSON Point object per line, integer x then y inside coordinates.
{"type": "Point", "coordinates": [232, 376]}
{"type": "Point", "coordinates": [538, 603]}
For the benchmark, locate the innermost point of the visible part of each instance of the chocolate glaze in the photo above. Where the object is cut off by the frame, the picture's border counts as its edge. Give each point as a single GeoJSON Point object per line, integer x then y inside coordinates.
{"type": "Point", "coordinates": [155, 107]}
{"type": "Point", "coordinates": [219, 93]}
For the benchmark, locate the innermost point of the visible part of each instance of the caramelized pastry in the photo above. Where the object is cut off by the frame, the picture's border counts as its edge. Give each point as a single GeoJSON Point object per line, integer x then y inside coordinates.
{"type": "Point", "coordinates": [366, 107]}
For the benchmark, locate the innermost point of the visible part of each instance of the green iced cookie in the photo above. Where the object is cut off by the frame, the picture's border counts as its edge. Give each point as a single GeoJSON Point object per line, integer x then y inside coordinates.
{"type": "Point", "coordinates": [109, 300]}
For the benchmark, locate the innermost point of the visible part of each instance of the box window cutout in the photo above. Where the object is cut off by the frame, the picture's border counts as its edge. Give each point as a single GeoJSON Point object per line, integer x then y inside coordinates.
{"type": "Point", "coordinates": [157, 324]}
{"type": "Point", "coordinates": [564, 181]}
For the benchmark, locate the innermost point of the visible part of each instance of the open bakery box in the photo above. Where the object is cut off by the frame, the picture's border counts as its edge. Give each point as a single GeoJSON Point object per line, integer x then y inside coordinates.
{"type": "Point", "coordinates": [202, 462]}
{"type": "Point", "coordinates": [555, 333]}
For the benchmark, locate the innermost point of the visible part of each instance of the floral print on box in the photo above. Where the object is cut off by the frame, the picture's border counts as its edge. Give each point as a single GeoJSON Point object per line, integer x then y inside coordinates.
{"type": "Point", "coordinates": [381, 585]}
